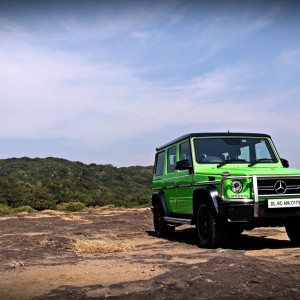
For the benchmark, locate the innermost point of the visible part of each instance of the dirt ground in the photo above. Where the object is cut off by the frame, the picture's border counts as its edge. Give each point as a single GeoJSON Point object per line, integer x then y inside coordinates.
{"type": "Point", "coordinates": [113, 253]}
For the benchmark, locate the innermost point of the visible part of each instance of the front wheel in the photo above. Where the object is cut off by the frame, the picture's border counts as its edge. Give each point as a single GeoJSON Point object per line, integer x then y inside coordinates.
{"type": "Point", "coordinates": [208, 227]}
{"type": "Point", "coordinates": [292, 228]}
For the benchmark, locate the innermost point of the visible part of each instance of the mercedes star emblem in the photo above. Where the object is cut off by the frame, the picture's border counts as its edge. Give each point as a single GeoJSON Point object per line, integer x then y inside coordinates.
{"type": "Point", "coordinates": [280, 187]}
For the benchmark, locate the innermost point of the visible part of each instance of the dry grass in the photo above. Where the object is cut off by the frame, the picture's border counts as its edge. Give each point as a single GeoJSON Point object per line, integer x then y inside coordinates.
{"type": "Point", "coordinates": [265, 252]}
{"type": "Point", "coordinates": [71, 217]}
{"type": "Point", "coordinates": [74, 217]}
{"type": "Point", "coordinates": [16, 264]}
{"type": "Point", "coordinates": [6, 218]}
{"type": "Point", "coordinates": [102, 245]}
{"type": "Point", "coordinates": [50, 212]}
{"type": "Point", "coordinates": [43, 243]}
{"type": "Point", "coordinates": [111, 210]}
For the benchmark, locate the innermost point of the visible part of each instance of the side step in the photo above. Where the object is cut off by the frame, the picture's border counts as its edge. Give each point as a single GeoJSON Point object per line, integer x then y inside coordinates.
{"type": "Point", "coordinates": [178, 220]}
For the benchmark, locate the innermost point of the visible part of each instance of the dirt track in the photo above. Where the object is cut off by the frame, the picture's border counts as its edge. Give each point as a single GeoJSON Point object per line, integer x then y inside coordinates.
{"type": "Point", "coordinates": [54, 255]}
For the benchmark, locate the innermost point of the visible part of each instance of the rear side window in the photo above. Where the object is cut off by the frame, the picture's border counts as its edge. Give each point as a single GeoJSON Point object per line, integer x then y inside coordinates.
{"type": "Point", "coordinates": [160, 162]}
{"type": "Point", "coordinates": [185, 151]}
{"type": "Point", "coordinates": [171, 159]}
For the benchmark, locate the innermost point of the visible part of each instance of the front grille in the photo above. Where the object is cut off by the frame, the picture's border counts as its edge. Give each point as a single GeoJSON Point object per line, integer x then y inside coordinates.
{"type": "Point", "coordinates": [278, 186]}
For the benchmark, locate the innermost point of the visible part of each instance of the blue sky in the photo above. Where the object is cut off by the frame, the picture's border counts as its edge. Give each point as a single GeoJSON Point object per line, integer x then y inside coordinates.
{"type": "Point", "coordinates": [108, 81]}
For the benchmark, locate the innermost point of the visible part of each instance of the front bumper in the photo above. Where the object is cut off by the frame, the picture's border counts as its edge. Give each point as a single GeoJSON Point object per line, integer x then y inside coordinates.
{"type": "Point", "coordinates": [254, 211]}
{"type": "Point", "coordinates": [243, 212]}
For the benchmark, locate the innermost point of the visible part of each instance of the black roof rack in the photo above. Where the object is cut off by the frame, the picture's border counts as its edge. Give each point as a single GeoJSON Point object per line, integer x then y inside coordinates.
{"type": "Point", "coordinates": [209, 134]}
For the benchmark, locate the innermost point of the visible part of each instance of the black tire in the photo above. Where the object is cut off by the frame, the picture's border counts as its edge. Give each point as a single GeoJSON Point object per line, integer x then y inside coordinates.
{"type": "Point", "coordinates": [292, 228]}
{"type": "Point", "coordinates": [161, 227]}
{"type": "Point", "coordinates": [208, 227]}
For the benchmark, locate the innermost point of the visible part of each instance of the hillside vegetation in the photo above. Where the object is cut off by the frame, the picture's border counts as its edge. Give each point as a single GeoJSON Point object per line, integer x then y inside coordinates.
{"type": "Point", "coordinates": [48, 182]}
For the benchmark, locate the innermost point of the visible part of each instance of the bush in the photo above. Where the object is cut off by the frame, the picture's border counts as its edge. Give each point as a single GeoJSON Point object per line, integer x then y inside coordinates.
{"type": "Point", "coordinates": [70, 206]}
{"type": "Point", "coordinates": [25, 208]}
{"type": "Point", "coordinates": [5, 209]}
{"type": "Point", "coordinates": [44, 183]}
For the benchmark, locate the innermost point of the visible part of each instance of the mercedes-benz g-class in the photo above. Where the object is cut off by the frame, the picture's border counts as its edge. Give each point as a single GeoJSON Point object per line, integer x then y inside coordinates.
{"type": "Point", "coordinates": [224, 183]}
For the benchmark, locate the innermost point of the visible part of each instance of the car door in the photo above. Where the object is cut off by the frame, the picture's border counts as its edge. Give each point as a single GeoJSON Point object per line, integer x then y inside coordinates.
{"type": "Point", "coordinates": [184, 193]}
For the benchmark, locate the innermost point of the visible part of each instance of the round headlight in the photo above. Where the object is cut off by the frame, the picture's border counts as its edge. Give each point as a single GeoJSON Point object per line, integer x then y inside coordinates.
{"type": "Point", "coordinates": [236, 186]}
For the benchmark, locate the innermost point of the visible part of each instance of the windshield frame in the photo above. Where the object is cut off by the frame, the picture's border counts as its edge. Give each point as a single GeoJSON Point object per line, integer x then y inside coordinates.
{"type": "Point", "coordinates": [269, 141]}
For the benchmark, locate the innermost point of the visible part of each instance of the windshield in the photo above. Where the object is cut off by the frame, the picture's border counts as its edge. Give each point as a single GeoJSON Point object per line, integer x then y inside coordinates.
{"type": "Point", "coordinates": [240, 150]}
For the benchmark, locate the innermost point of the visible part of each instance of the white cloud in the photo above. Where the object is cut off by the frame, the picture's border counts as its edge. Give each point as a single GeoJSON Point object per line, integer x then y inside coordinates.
{"type": "Point", "coordinates": [67, 97]}
{"type": "Point", "coordinates": [217, 82]}
{"type": "Point", "coordinates": [264, 21]}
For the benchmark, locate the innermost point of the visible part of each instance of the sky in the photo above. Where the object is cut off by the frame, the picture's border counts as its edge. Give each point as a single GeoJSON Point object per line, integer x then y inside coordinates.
{"type": "Point", "coordinates": [109, 81]}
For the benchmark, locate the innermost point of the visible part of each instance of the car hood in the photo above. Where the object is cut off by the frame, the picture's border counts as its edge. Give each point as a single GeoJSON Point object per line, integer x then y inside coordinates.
{"type": "Point", "coordinates": [238, 170]}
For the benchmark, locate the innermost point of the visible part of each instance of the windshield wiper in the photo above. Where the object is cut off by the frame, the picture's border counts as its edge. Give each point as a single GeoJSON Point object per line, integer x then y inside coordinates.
{"type": "Point", "coordinates": [261, 160]}
{"type": "Point", "coordinates": [228, 161]}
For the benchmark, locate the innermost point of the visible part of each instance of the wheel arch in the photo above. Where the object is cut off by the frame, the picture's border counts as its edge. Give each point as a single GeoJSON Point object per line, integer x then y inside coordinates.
{"type": "Point", "coordinates": [158, 198]}
{"type": "Point", "coordinates": [205, 194]}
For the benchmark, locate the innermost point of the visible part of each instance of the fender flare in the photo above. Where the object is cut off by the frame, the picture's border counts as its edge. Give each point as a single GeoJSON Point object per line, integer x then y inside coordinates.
{"type": "Point", "coordinates": [159, 196]}
{"type": "Point", "coordinates": [213, 195]}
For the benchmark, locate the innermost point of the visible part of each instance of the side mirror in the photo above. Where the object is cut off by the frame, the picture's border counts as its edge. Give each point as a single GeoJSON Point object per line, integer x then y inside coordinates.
{"type": "Point", "coordinates": [184, 164]}
{"type": "Point", "coordinates": [285, 163]}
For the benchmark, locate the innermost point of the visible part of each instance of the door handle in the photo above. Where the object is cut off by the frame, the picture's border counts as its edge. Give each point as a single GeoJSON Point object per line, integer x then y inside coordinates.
{"type": "Point", "coordinates": [169, 186]}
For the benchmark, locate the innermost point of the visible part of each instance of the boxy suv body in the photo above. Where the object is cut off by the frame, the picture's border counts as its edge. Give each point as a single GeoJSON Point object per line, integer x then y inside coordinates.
{"type": "Point", "coordinates": [224, 183]}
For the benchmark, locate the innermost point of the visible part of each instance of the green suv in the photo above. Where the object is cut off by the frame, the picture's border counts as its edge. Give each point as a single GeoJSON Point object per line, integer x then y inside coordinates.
{"type": "Point", "coordinates": [224, 183]}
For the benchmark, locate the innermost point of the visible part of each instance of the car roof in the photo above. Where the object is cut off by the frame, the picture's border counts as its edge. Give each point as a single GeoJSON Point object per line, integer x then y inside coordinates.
{"type": "Point", "coordinates": [210, 134]}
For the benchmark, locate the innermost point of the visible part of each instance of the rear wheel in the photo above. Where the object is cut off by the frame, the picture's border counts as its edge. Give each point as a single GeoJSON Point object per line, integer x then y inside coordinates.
{"type": "Point", "coordinates": [292, 228]}
{"type": "Point", "coordinates": [208, 227]}
{"type": "Point", "coordinates": [161, 227]}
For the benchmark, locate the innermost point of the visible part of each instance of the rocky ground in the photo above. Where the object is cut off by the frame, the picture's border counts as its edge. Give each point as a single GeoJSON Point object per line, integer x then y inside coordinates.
{"type": "Point", "coordinates": [113, 253]}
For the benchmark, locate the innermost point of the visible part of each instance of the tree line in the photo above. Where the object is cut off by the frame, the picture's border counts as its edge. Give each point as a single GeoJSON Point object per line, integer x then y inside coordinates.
{"type": "Point", "coordinates": [44, 183]}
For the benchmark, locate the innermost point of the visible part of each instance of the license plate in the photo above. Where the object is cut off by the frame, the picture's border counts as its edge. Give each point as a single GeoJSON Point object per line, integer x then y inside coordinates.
{"type": "Point", "coordinates": [282, 203]}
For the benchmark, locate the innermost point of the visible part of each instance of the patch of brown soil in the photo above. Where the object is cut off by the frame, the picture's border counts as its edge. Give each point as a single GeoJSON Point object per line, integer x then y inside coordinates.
{"type": "Point", "coordinates": [40, 280]}
{"type": "Point", "coordinates": [113, 252]}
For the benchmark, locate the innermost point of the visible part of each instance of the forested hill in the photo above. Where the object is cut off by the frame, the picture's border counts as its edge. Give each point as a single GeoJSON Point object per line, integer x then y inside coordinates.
{"type": "Point", "coordinates": [44, 183]}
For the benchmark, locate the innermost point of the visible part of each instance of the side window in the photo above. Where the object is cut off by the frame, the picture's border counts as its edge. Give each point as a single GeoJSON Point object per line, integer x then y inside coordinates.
{"type": "Point", "coordinates": [160, 162]}
{"type": "Point", "coordinates": [185, 151]}
{"type": "Point", "coordinates": [171, 159]}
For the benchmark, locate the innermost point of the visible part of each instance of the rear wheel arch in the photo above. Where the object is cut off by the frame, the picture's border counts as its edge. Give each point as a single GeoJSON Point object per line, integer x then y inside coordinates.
{"type": "Point", "coordinates": [155, 200]}
{"type": "Point", "coordinates": [161, 227]}
{"type": "Point", "coordinates": [159, 199]}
